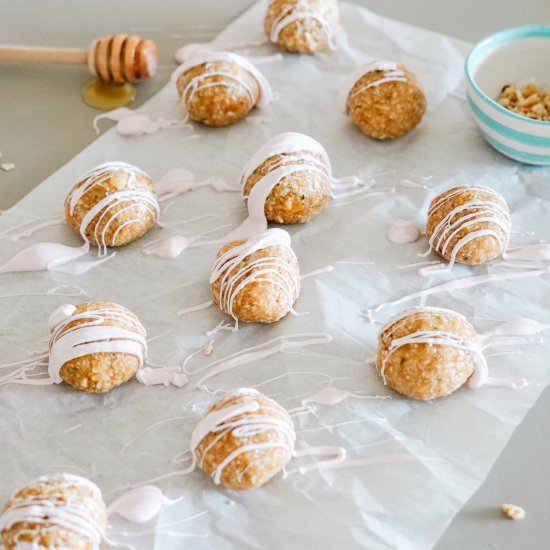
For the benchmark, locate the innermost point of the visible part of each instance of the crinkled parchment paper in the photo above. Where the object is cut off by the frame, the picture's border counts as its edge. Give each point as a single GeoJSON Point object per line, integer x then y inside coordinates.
{"type": "Point", "coordinates": [452, 442]}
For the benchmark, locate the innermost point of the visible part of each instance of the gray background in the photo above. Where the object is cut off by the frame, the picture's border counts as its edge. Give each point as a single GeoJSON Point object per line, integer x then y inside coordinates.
{"type": "Point", "coordinates": [44, 123]}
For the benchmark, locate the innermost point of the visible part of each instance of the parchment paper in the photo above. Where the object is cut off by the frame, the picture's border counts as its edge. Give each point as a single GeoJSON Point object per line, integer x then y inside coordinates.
{"type": "Point", "coordinates": [452, 442]}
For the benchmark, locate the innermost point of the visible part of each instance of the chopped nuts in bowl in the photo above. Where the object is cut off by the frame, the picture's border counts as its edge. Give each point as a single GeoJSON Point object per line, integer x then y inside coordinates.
{"type": "Point", "coordinates": [512, 66]}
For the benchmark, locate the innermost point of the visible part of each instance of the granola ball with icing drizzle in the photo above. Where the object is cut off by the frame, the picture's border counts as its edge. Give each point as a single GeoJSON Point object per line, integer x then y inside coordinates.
{"type": "Point", "coordinates": [302, 26]}
{"type": "Point", "coordinates": [293, 171]}
{"type": "Point", "coordinates": [243, 439]}
{"type": "Point", "coordinates": [220, 88]}
{"type": "Point", "coordinates": [468, 224]}
{"type": "Point", "coordinates": [112, 205]}
{"type": "Point", "coordinates": [59, 511]}
{"type": "Point", "coordinates": [384, 100]}
{"type": "Point", "coordinates": [428, 352]}
{"type": "Point", "coordinates": [95, 346]}
{"type": "Point", "coordinates": [256, 280]}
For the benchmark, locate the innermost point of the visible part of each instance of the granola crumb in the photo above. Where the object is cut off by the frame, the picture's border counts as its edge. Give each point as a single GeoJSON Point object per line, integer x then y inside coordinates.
{"type": "Point", "coordinates": [530, 101]}
{"type": "Point", "coordinates": [513, 511]}
{"type": "Point", "coordinates": [207, 349]}
{"type": "Point", "coordinates": [7, 166]}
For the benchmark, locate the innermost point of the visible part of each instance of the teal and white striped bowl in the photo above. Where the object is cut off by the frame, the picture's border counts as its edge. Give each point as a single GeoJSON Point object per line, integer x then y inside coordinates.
{"type": "Point", "coordinates": [513, 56]}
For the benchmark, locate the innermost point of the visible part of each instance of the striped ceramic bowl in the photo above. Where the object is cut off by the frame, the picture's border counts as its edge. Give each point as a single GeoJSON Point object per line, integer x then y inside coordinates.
{"type": "Point", "coordinates": [519, 55]}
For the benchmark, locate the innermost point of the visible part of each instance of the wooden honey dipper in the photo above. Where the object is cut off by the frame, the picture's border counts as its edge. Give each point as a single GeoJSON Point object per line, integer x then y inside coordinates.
{"type": "Point", "coordinates": [115, 59]}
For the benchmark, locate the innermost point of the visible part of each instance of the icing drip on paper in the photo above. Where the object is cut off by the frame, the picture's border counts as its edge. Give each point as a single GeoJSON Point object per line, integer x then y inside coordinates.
{"type": "Point", "coordinates": [270, 269]}
{"type": "Point", "coordinates": [179, 181]}
{"type": "Point", "coordinates": [62, 258]}
{"type": "Point", "coordinates": [331, 395]}
{"type": "Point", "coordinates": [315, 272]}
{"type": "Point", "coordinates": [281, 344]}
{"type": "Point", "coordinates": [300, 11]}
{"type": "Point", "coordinates": [92, 336]}
{"type": "Point", "coordinates": [457, 284]}
{"type": "Point", "coordinates": [69, 512]}
{"type": "Point", "coordinates": [230, 80]}
{"type": "Point", "coordinates": [192, 309]}
{"type": "Point", "coordinates": [461, 218]}
{"type": "Point", "coordinates": [403, 232]}
{"type": "Point", "coordinates": [31, 227]}
{"type": "Point", "coordinates": [141, 504]}
{"type": "Point", "coordinates": [132, 123]}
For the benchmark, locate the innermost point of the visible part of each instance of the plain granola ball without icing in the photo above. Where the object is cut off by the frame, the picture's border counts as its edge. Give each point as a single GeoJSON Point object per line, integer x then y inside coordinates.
{"type": "Point", "coordinates": [384, 100]}
{"type": "Point", "coordinates": [95, 346]}
{"type": "Point", "coordinates": [469, 225]}
{"type": "Point", "coordinates": [57, 512]}
{"type": "Point", "coordinates": [427, 352]}
{"type": "Point", "coordinates": [302, 26]}
{"type": "Point", "coordinates": [243, 440]}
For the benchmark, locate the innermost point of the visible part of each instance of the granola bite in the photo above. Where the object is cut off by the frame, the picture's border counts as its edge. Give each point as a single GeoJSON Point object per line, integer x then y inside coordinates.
{"type": "Point", "coordinates": [59, 511]}
{"type": "Point", "coordinates": [302, 26]}
{"type": "Point", "coordinates": [529, 101]}
{"type": "Point", "coordinates": [293, 171]}
{"type": "Point", "coordinates": [428, 352]}
{"type": "Point", "coordinates": [243, 440]}
{"type": "Point", "coordinates": [256, 280]}
{"type": "Point", "coordinates": [384, 100]}
{"type": "Point", "coordinates": [220, 88]}
{"type": "Point", "coordinates": [469, 225]}
{"type": "Point", "coordinates": [95, 346]}
{"type": "Point", "coordinates": [112, 205]}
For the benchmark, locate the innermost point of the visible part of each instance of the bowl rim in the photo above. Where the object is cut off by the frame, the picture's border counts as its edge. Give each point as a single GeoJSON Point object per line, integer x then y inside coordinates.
{"type": "Point", "coordinates": [506, 35]}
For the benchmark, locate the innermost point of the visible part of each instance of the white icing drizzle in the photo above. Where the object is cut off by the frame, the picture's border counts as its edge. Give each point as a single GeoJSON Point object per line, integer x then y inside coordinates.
{"type": "Point", "coordinates": [465, 282]}
{"type": "Point", "coordinates": [59, 257]}
{"type": "Point", "coordinates": [409, 184]}
{"type": "Point", "coordinates": [300, 11]}
{"type": "Point", "coordinates": [242, 420]}
{"type": "Point", "coordinates": [163, 375]}
{"type": "Point", "coordinates": [315, 272]}
{"type": "Point", "coordinates": [59, 290]}
{"type": "Point", "coordinates": [270, 269]}
{"type": "Point", "coordinates": [403, 232]}
{"type": "Point", "coordinates": [281, 344]}
{"type": "Point", "coordinates": [338, 455]}
{"type": "Point", "coordinates": [132, 123]}
{"type": "Point", "coordinates": [391, 73]}
{"type": "Point", "coordinates": [460, 218]}
{"type": "Point", "coordinates": [198, 307]}
{"type": "Point", "coordinates": [256, 222]}
{"type": "Point", "coordinates": [92, 336]}
{"type": "Point", "coordinates": [142, 199]}
{"type": "Point", "coordinates": [470, 346]}
{"type": "Point", "coordinates": [70, 512]}
{"type": "Point", "coordinates": [141, 504]}
{"type": "Point", "coordinates": [331, 395]}
{"type": "Point", "coordinates": [231, 80]}
{"type": "Point", "coordinates": [296, 147]}
{"type": "Point", "coordinates": [179, 181]}
{"type": "Point", "coordinates": [31, 227]}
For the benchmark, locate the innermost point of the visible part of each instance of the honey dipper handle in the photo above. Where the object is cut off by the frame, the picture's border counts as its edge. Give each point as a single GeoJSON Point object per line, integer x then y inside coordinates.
{"type": "Point", "coordinates": [42, 55]}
